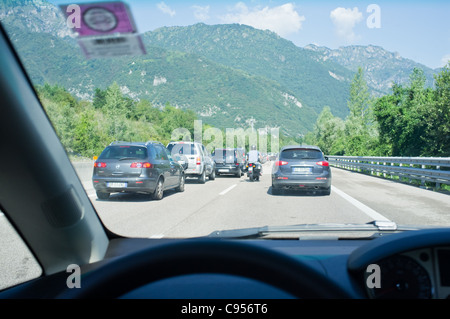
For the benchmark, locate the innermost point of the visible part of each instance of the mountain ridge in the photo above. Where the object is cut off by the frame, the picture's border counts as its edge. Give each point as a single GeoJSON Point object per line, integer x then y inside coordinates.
{"type": "Point", "coordinates": [375, 69]}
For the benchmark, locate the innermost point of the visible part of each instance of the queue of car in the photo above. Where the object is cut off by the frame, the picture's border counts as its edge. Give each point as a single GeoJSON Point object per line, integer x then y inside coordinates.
{"type": "Point", "coordinates": [152, 168]}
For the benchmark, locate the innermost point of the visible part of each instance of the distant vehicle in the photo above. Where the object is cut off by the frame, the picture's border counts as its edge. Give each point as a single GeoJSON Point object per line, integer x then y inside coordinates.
{"type": "Point", "coordinates": [272, 156]}
{"type": "Point", "coordinates": [301, 168]}
{"type": "Point", "coordinates": [229, 161]}
{"type": "Point", "coordinates": [200, 163]}
{"type": "Point", "coordinates": [136, 167]}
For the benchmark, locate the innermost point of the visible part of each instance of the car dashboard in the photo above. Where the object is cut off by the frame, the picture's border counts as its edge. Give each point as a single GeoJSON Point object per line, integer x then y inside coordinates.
{"type": "Point", "coordinates": [411, 265]}
{"type": "Point", "coordinates": [412, 268]}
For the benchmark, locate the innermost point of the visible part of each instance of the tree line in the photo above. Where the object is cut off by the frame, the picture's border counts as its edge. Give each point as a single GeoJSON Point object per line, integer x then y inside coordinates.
{"type": "Point", "coordinates": [85, 128]}
{"type": "Point", "coordinates": [412, 120]}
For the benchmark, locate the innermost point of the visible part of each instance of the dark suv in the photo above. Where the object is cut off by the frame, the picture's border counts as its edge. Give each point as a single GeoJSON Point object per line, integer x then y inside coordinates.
{"type": "Point", "coordinates": [301, 167]}
{"type": "Point", "coordinates": [229, 161]}
{"type": "Point", "coordinates": [136, 167]}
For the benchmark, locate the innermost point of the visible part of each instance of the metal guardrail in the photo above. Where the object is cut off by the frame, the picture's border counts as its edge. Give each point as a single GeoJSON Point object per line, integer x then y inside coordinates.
{"type": "Point", "coordinates": [424, 169]}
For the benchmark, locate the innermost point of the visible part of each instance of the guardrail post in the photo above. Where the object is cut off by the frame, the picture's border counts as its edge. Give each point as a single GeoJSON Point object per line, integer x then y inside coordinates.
{"type": "Point", "coordinates": [410, 180]}
{"type": "Point", "coordinates": [422, 180]}
{"type": "Point", "coordinates": [437, 184]}
{"type": "Point", "coordinates": [392, 164]}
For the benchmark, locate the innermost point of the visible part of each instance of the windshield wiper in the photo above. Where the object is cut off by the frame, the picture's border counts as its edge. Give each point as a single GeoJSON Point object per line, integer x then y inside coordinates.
{"type": "Point", "coordinates": [381, 227]}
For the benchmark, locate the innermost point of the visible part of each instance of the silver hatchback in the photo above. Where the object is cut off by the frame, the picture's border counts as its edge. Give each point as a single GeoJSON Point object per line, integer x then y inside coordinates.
{"type": "Point", "coordinates": [200, 163]}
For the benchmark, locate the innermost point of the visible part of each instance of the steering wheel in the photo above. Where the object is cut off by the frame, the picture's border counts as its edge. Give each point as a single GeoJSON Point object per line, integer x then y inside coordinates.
{"type": "Point", "coordinates": [200, 256]}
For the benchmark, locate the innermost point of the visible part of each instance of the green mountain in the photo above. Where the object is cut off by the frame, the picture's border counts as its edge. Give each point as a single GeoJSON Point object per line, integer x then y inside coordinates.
{"type": "Point", "coordinates": [220, 95]}
{"type": "Point", "coordinates": [313, 81]}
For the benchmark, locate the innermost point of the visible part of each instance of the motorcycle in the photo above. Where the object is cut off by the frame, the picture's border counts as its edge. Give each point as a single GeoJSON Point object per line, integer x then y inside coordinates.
{"type": "Point", "coordinates": [254, 171]}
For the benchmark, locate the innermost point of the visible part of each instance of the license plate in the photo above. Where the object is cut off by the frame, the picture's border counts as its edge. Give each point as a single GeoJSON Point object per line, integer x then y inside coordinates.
{"type": "Point", "coordinates": [302, 170]}
{"type": "Point", "coordinates": [224, 170]}
{"type": "Point", "coordinates": [250, 169]}
{"type": "Point", "coordinates": [116, 185]}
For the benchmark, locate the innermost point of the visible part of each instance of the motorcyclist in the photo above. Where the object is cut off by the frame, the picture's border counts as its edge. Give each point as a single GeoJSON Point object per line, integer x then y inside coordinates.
{"type": "Point", "coordinates": [254, 157]}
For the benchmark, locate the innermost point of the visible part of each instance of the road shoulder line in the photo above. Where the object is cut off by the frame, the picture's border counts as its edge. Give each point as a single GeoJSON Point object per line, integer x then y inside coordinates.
{"type": "Point", "coordinates": [364, 208]}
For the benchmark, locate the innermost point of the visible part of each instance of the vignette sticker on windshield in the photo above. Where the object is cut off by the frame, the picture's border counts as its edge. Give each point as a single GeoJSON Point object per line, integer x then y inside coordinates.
{"type": "Point", "coordinates": [104, 29]}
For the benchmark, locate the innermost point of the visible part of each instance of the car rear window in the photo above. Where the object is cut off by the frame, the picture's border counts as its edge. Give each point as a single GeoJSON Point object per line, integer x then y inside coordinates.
{"type": "Point", "coordinates": [124, 151]}
{"type": "Point", "coordinates": [228, 155]}
{"type": "Point", "coordinates": [301, 153]}
{"type": "Point", "coordinates": [181, 148]}
{"type": "Point", "coordinates": [224, 152]}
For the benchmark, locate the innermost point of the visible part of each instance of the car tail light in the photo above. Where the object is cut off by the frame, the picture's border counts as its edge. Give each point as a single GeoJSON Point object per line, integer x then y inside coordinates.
{"type": "Point", "coordinates": [141, 165]}
{"type": "Point", "coordinates": [323, 163]}
{"type": "Point", "coordinates": [282, 177]}
{"type": "Point", "coordinates": [199, 161]}
{"type": "Point", "coordinates": [100, 164]}
{"type": "Point", "coordinates": [280, 163]}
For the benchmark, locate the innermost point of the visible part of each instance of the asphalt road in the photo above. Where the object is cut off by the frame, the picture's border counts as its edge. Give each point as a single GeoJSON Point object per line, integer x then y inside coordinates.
{"type": "Point", "coordinates": [230, 203]}
{"type": "Point", "coordinates": [233, 203]}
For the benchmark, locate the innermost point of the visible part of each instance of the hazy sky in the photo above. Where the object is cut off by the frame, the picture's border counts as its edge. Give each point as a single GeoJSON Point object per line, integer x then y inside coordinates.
{"type": "Point", "coordinates": [419, 30]}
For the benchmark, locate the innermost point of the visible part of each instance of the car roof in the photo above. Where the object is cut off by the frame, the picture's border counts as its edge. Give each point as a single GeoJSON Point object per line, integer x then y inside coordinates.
{"type": "Point", "coordinates": [134, 143]}
{"type": "Point", "coordinates": [184, 142]}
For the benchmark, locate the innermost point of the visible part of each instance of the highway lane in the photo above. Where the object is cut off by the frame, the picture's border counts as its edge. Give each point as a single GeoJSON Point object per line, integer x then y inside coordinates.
{"type": "Point", "coordinates": [231, 203]}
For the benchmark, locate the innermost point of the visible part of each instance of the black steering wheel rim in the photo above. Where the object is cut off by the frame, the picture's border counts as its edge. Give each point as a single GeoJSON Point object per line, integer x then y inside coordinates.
{"type": "Point", "coordinates": [124, 274]}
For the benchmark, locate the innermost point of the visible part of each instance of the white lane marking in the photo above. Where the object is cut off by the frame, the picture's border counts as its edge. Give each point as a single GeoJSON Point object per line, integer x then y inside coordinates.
{"type": "Point", "coordinates": [228, 189]}
{"type": "Point", "coordinates": [366, 209]}
{"type": "Point", "coordinates": [157, 236]}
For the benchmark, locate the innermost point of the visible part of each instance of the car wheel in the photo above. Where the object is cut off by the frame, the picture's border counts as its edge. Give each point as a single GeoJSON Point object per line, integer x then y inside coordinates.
{"type": "Point", "coordinates": [275, 190]}
{"type": "Point", "coordinates": [159, 190]}
{"type": "Point", "coordinates": [202, 178]}
{"type": "Point", "coordinates": [238, 174]}
{"type": "Point", "coordinates": [182, 184]}
{"type": "Point", "coordinates": [102, 195]}
{"type": "Point", "coordinates": [212, 176]}
{"type": "Point", "coordinates": [327, 191]}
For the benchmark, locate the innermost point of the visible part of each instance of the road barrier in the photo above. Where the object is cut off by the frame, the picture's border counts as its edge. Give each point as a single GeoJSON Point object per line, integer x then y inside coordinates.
{"type": "Point", "coordinates": [424, 169]}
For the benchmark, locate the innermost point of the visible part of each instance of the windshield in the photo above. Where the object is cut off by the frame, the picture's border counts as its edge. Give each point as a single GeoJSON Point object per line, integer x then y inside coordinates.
{"type": "Point", "coordinates": [361, 89]}
{"type": "Point", "coordinates": [182, 148]}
